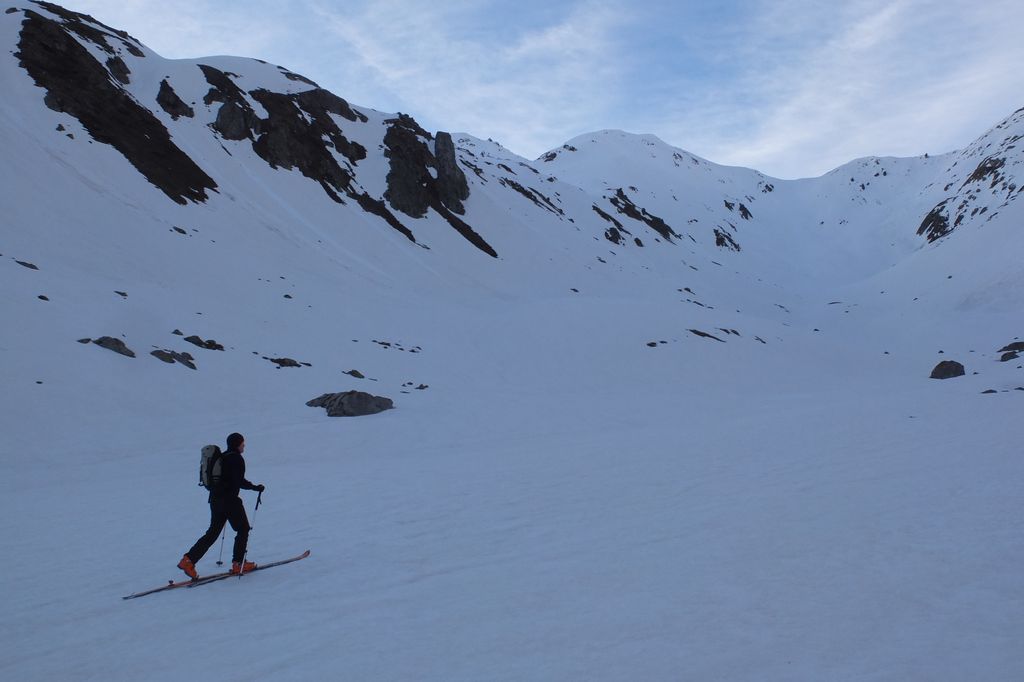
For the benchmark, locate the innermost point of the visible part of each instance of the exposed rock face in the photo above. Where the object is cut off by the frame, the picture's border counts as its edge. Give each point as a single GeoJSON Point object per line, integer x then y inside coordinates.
{"type": "Point", "coordinates": [116, 345]}
{"type": "Point", "coordinates": [80, 86]}
{"type": "Point", "coordinates": [235, 122]}
{"type": "Point", "coordinates": [948, 369]}
{"type": "Point", "coordinates": [236, 119]}
{"type": "Point", "coordinates": [351, 404]}
{"type": "Point", "coordinates": [626, 207]}
{"type": "Point", "coordinates": [293, 137]}
{"type": "Point", "coordinates": [169, 101]}
{"type": "Point", "coordinates": [991, 186]}
{"type": "Point", "coordinates": [724, 240]}
{"type": "Point", "coordinates": [452, 186]}
{"type": "Point", "coordinates": [119, 70]}
{"type": "Point", "coordinates": [409, 180]}
{"type": "Point", "coordinates": [412, 189]}
{"type": "Point", "coordinates": [936, 224]}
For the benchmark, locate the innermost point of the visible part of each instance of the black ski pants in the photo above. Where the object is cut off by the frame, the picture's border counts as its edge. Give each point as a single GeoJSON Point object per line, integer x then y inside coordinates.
{"type": "Point", "coordinates": [229, 510]}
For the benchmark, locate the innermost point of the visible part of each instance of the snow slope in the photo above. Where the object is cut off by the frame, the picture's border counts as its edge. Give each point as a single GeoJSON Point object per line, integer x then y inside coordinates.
{"type": "Point", "coordinates": [586, 488]}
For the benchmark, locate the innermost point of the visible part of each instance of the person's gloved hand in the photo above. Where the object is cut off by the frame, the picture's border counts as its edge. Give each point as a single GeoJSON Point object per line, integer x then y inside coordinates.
{"type": "Point", "coordinates": [260, 488]}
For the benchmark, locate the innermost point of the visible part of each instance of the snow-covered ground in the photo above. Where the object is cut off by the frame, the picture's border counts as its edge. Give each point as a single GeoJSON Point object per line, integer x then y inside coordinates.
{"type": "Point", "coordinates": [586, 489]}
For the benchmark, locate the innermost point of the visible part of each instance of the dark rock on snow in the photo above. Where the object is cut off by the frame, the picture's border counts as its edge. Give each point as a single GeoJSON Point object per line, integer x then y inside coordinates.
{"type": "Point", "coordinates": [351, 404]}
{"type": "Point", "coordinates": [287, 362]}
{"type": "Point", "coordinates": [208, 345]}
{"type": "Point", "coordinates": [170, 357]}
{"type": "Point", "coordinates": [411, 187]}
{"type": "Point", "coordinates": [77, 84]}
{"type": "Point", "coordinates": [169, 101]}
{"type": "Point", "coordinates": [116, 345]}
{"type": "Point", "coordinates": [948, 369]}
{"type": "Point", "coordinates": [452, 186]}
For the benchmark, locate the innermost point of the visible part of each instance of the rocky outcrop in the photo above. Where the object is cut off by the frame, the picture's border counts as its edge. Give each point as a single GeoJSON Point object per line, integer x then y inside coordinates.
{"type": "Point", "coordinates": [725, 241]}
{"type": "Point", "coordinates": [236, 119]}
{"type": "Point", "coordinates": [626, 207]}
{"type": "Point", "coordinates": [293, 136]}
{"type": "Point", "coordinates": [351, 404]}
{"type": "Point", "coordinates": [412, 188]}
{"type": "Point", "coordinates": [936, 224]}
{"type": "Point", "coordinates": [948, 369]}
{"type": "Point", "coordinates": [452, 187]}
{"type": "Point", "coordinates": [169, 101]}
{"type": "Point", "coordinates": [119, 70]}
{"type": "Point", "coordinates": [80, 86]}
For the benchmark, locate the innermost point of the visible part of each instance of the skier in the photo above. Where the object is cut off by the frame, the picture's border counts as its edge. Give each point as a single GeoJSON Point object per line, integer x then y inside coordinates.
{"type": "Point", "coordinates": [226, 506]}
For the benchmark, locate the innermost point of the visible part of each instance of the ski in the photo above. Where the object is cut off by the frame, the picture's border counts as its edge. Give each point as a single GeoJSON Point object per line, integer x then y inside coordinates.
{"type": "Point", "coordinates": [259, 567]}
{"type": "Point", "coordinates": [202, 580]}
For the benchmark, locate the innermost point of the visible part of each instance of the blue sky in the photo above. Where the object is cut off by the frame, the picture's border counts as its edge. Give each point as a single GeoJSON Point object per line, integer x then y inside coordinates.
{"type": "Point", "coordinates": [792, 88]}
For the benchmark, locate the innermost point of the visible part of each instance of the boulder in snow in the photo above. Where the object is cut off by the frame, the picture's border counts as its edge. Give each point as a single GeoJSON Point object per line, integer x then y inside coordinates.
{"type": "Point", "coordinates": [947, 369]}
{"type": "Point", "coordinates": [351, 404]}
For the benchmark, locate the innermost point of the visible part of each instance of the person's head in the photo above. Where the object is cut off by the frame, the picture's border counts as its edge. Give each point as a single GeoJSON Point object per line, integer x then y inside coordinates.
{"type": "Point", "coordinates": [236, 442]}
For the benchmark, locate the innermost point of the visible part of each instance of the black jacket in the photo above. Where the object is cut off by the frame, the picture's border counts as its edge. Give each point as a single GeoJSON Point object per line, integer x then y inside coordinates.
{"type": "Point", "coordinates": [232, 476]}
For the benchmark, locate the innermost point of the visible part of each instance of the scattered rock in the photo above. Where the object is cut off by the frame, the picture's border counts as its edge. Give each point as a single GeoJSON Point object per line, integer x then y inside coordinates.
{"type": "Point", "coordinates": [116, 345]}
{"type": "Point", "coordinates": [122, 294]}
{"type": "Point", "coordinates": [948, 369]}
{"type": "Point", "coordinates": [991, 390]}
{"type": "Point", "coordinates": [30, 266]}
{"type": "Point", "coordinates": [705, 335]}
{"type": "Point", "coordinates": [1006, 357]}
{"type": "Point", "coordinates": [351, 404]}
{"type": "Point", "coordinates": [724, 240]}
{"type": "Point", "coordinates": [1017, 346]}
{"type": "Point", "coordinates": [208, 345]}
{"type": "Point", "coordinates": [287, 362]}
{"type": "Point", "coordinates": [355, 373]}
{"type": "Point", "coordinates": [170, 357]}
{"type": "Point", "coordinates": [43, 297]}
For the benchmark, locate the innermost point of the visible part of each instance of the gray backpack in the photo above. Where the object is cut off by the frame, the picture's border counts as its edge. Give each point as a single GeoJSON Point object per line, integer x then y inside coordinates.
{"type": "Point", "coordinates": [209, 467]}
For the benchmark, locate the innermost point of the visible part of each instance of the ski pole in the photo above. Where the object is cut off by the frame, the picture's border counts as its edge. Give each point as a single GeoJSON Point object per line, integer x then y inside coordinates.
{"type": "Point", "coordinates": [220, 557]}
{"type": "Point", "coordinates": [259, 497]}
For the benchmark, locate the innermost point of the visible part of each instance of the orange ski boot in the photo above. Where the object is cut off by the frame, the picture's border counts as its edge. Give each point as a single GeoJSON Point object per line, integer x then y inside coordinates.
{"type": "Point", "coordinates": [238, 569]}
{"type": "Point", "coordinates": [186, 565]}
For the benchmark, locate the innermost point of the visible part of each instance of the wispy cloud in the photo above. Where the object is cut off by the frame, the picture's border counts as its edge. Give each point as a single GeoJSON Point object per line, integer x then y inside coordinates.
{"type": "Point", "coordinates": [518, 86]}
{"type": "Point", "coordinates": [889, 78]}
{"type": "Point", "coordinates": [791, 87]}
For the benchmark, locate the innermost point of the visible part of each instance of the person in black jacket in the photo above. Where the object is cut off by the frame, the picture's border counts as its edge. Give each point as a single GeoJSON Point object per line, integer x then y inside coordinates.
{"type": "Point", "coordinates": [226, 507]}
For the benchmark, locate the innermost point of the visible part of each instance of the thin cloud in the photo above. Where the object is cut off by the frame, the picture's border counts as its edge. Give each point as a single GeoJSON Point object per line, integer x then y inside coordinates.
{"type": "Point", "coordinates": [898, 78]}
{"type": "Point", "coordinates": [536, 85]}
{"type": "Point", "coordinates": [790, 87]}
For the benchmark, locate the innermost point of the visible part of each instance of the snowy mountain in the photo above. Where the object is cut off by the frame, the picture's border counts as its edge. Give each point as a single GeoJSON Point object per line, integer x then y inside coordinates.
{"type": "Point", "coordinates": [655, 418]}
